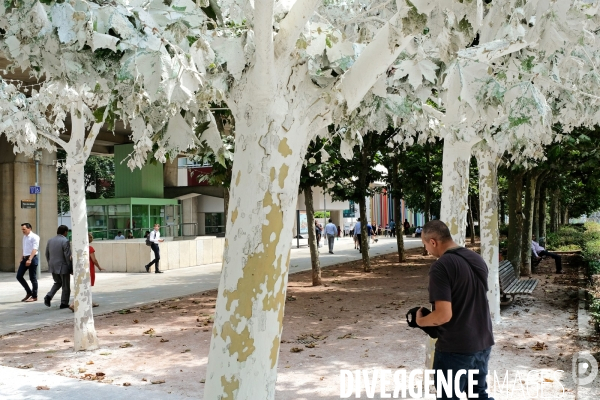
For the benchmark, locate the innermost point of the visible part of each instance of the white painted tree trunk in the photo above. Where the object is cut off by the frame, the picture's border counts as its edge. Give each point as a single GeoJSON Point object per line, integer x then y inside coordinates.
{"type": "Point", "coordinates": [271, 142]}
{"type": "Point", "coordinates": [487, 162]}
{"type": "Point", "coordinates": [77, 154]}
{"type": "Point", "coordinates": [455, 187]}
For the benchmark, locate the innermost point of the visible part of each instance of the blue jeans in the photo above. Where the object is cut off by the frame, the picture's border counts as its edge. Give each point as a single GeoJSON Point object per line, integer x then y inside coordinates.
{"type": "Point", "coordinates": [453, 362]}
{"type": "Point", "coordinates": [32, 275]}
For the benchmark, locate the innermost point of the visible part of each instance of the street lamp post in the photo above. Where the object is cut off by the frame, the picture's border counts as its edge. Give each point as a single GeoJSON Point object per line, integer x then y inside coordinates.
{"type": "Point", "coordinates": [37, 156]}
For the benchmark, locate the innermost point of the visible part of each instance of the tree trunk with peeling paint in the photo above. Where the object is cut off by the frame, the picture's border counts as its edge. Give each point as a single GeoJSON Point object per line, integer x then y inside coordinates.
{"type": "Point", "coordinates": [515, 219]}
{"type": "Point", "coordinates": [364, 218]}
{"type": "Point", "coordinates": [542, 210]}
{"type": "Point", "coordinates": [78, 151]}
{"type": "Point", "coordinates": [396, 192]}
{"type": "Point", "coordinates": [455, 187]}
{"type": "Point", "coordinates": [487, 162]}
{"type": "Point", "coordinates": [535, 230]}
{"type": "Point", "coordinates": [277, 108]}
{"type": "Point", "coordinates": [225, 200]}
{"type": "Point", "coordinates": [471, 221]}
{"type": "Point", "coordinates": [554, 210]}
{"type": "Point", "coordinates": [312, 236]}
{"type": "Point", "coordinates": [532, 178]}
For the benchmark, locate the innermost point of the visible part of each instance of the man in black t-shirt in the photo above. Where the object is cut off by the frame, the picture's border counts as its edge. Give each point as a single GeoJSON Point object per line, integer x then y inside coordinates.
{"type": "Point", "coordinates": [458, 291]}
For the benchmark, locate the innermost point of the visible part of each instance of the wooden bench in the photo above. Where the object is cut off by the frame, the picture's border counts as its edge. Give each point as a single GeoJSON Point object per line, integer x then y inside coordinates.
{"type": "Point", "coordinates": [511, 285]}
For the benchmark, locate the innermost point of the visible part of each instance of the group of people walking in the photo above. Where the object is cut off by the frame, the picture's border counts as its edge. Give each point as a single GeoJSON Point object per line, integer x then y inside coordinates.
{"type": "Point", "coordinates": [60, 265]}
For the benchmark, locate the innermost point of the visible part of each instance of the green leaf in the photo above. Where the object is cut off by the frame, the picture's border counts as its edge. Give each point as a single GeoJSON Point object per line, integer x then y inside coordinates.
{"type": "Point", "coordinates": [99, 114]}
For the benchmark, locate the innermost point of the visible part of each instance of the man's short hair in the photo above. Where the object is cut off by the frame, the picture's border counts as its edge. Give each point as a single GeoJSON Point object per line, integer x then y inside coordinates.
{"type": "Point", "coordinates": [62, 230]}
{"type": "Point", "coordinates": [330, 220]}
{"type": "Point", "coordinates": [157, 225]}
{"type": "Point", "coordinates": [118, 233]}
{"type": "Point", "coordinates": [26, 225]}
{"type": "Point", "coordinates": [437, 230]}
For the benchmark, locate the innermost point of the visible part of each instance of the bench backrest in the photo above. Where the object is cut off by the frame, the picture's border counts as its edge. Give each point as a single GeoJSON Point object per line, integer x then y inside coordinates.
{"type": "Point", "coordinates": [507, 274]}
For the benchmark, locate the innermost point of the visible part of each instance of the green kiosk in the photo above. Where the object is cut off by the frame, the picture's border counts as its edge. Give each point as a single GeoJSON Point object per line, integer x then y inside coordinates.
{"type": "Point", "coordinates": [138, 203]}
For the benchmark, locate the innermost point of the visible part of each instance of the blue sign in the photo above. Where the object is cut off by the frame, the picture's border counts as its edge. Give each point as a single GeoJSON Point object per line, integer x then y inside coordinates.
{"type": "Point", "coordinates": [35, 190]}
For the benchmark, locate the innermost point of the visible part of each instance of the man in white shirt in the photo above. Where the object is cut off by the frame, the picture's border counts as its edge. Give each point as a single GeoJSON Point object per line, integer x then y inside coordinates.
{"type": "Point", "coordinates": [331, 232]}
{"type": "Point", "coordinates": [155, 239]}
{"type": "Point", "coordinates": [119, 236]}
{"type": "Point", "coordinates": [29, 261]}
{"type": "Point", "coordinates": [539, 252]}
{"type": "Point", "coordinates": [357, 232]}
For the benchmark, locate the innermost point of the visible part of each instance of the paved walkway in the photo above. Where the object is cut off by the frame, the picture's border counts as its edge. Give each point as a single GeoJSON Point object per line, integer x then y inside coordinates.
{"type": "Point", "coordinates": [116, 291]}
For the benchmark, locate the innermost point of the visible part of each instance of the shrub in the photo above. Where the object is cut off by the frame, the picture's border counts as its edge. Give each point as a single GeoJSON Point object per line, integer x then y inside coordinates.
{"type": "Point", "coordinates": [568, 247]}
{"type": "Point", "coordinates": [593, 268]}
{"type": "Point", "coordinates": [595, 310]}
{"type": "Point", "coordinates": [591, 250]}
{"type": "Point", "coordinates": [592, 226]}
{"type": "Point", "coordinates": [567, 235]}
{"type": "Point", "coordinates": [503, 230]}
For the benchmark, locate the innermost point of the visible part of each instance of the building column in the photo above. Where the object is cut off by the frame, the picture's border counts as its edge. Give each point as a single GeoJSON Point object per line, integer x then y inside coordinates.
{"type": "Point", "coordinates": [18, 174]}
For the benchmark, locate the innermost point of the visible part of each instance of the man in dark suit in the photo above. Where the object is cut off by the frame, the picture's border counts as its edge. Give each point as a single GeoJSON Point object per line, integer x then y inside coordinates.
{"type": "Point", "coordinates": [58, 255]}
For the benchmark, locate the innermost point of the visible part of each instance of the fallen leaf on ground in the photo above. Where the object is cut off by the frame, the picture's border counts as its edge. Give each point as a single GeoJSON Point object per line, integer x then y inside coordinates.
{"type": "Point", "coordinates": [144, 380]}
{"type": "Point", "coordinates": [26, 366]}
{"type": "Point", "coordinates": [125, 345]}
{"type": "Point", "coordinates": [186, 351]}
{"type": "Point", "coordinates": [100, 374]}
{"type": "Point", "coordinates": [89, 362]}
{"type": "Point", "coordinates": [126, 384]}
{"type": "Point", "coordinates": [149, 331]}
{"type": "Point", "coordinates": [296, 349]}
{"type": "Point", "coordinates": [202, 380]}
{"type": "Point", "coordinates": [347, 336]}
{"type": "Point", "coordinates": [158, 382]}
{"type": "Point", "coordinates": [135, 321]}
{"type": "Point", "coordinates": [66, 340]}
{"type": "Point", "coordinates": [82, 370]}
{"type": "Point", "coordinates": [164, 340]}
{"type": "Point", "coordinates": [539, 346]}
{"type": "Point", "coordinates": [42, 388]}
{"type": "Point", "coordinates": [310, 345]}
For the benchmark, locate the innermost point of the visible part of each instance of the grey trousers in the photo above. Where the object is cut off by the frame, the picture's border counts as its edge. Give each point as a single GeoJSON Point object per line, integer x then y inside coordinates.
{"type": "Point", "coordinates": [61, 281]}
{"type": "Point", "coordinates": [331, 240]}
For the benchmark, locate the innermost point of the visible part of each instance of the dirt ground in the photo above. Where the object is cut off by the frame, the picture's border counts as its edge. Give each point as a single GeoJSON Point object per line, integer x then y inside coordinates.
{"type": "Point", "coordinates": [355, 321]}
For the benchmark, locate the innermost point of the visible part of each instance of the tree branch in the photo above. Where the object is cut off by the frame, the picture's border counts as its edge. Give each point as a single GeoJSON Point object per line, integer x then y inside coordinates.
{"type": "Point", "coordinates": [55, 139]}
{"type": "Point", "coordinates": [91, 138]}
{"type": "Point", "coordinates": [263, 33]}
{"type": "Point", "coordinates": [385, 48]}
{"type": "Point", "coordinates": [292, 25]}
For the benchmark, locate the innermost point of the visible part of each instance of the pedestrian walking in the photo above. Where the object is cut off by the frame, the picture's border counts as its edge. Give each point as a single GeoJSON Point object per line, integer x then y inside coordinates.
{"type": "Point", "coordinates": [29, 261]}
{"type": "Point", "coordinates": [318, 232]}
{"type": "Point", "coordinates": [331, 232]}
{"type": "Point", "coordinates": [155, 239]}
{"type": "Point", "coordinates": [58, 256]}
{"type": "Point", "coordinates": [93, 264]}
{"type": "Point", "coordinates": [392, 228]}
{"type": "Point", "coordinates": [357, 232]}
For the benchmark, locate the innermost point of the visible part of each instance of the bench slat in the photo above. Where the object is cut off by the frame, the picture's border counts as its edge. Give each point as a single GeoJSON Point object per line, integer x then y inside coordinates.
{"type": "Point", "coordinates": [511, 284]}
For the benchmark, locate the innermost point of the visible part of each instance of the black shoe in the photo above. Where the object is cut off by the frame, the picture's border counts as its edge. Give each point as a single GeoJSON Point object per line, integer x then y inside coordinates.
{"type": "Point", "coordinates": [331, 252]}
{"type": "Point", "coordinates": [147, 268]}
{"type": "Point", "coordinates": [47, 301]}
{"type": "Point", "coordinates": [64, 306]}
{"type": "Point", "coordinates": [158, 272]}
